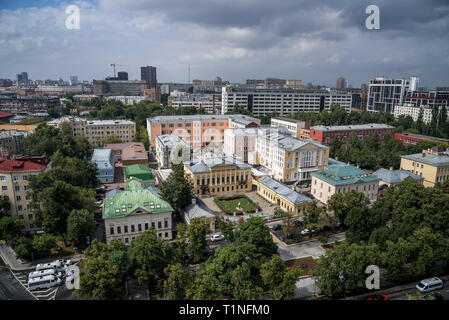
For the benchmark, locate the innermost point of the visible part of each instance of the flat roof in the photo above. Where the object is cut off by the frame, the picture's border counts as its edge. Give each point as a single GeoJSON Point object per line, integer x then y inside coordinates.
{"type": "Point", "coordinates": [204, 165]}
{"type": "Point", "coordinates": [368, 126]}
{"type": "Point", "coordinates": [420, 136]}
{"type": "Point", "coordinates": [201, 117]}
{"type": "Point", "coordinates": [395, 176]}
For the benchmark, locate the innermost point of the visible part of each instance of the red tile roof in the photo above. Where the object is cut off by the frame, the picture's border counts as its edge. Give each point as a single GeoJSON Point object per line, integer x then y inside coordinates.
{"type": "Point", "coordinates": [5, 114]}
{"type": "Point", "coordinates": [12, 165]}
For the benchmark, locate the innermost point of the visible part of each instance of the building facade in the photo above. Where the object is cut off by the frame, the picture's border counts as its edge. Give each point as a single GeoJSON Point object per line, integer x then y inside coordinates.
{"type": "Point", "coordinates": [11, 142]}
{"type": "Point", "coordinates": [384, 93]}
{"type": "Point", "coordinates": [219, 175]}
{"type": "Point", "coordinates": [282, 101]}
{"type": "Point", "coordinates": [197, 130]}
{"type": "Point", "coordinates": [295, 127]}
{"type": "Point", "coordinates": [431, 164]}
{"type": "Point", "coordinates": [14, 178]}
{"type": "Point", "coordinates": [289, 159]}
{"type": "Point", "coordinates": [325, 134]}
{"type": "Point", "coordinates": [129, 213]}
{"type": "Point", "coordinates": [127, 99]}
{"type": "Point", "coordinates": [171, 149]}
{"type": "Point", "coordinates": [411, 138]}
{"type": "Point", "coordinates": [104, 161]}
{"type": "Point", "coordinates": [148, 74]}
{"type": "Point", "coordinates": [96, 130]}
{"type": "Point", "coordinates": [238, 143]}
{"type": "Point", "coordinates": [210, 103]}
{"type": "Point", "coordinates": [342, 179]}
{"type": "Point", "coordinates": [287, 199]}
{"type": "Point", "coordinates": [408, 109]}
{"type": "Point", "coordinates": [118, 87]}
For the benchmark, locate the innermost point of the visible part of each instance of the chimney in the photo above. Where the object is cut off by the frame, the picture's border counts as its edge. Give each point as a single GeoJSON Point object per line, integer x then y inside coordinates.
{"type": "Point", "coordinates": [391, 168]}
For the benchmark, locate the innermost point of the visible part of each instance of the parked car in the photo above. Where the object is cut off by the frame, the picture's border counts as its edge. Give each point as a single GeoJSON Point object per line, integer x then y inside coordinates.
{"type": "Point", "coordinates": [305, 231]}
{"type": "Point", "coordinates": [276, 227]}
{"type": "Point", "coordinates": [377, 297]}
{"type": "Point", "coordinates": [217, 237]}
{"type": "Point", "coordinates": [428, 285]}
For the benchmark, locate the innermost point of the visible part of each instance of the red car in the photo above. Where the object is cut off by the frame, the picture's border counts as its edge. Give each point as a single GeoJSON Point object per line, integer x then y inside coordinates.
{"type": "Point", "coordinates": [377, 297]}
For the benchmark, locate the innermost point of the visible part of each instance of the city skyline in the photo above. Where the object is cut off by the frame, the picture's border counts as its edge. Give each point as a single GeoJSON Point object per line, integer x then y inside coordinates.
{"type": "Point", "coordinates": [315, 42]}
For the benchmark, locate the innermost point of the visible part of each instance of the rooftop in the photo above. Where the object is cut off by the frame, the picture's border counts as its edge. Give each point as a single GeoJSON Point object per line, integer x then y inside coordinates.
{"type": "Point", "coordinates": [420, 136]}
{"type": "Point", "coordinates": [283, 191]}
{"type": "Point", "coordinates": [170, 140]}
{"type": "Point", "coordinates": [287, 119]}
{"type": "Point", "coordinates": [204, 165]}
{"type": "Point", "coordinates": [368, 126]}
{"type": "Point", "coordinates": [336, 175]}
{"type": "Point", "coordinates": [135, 196]}
{"type": "Point", "coordinates": [198, 210]}
{"type": "Point", "coordinates": [139, 171]}
{"type": "Point", "coordinates": [102, 157]}
{"type": "Point", "coordinates": [395, 176]}
{"type": "Point", "coordinates": [200, 117]}
{"type": "Point", "coordinates": [15, 165]}
{"type": "Point", "coordinates": [289, 143]}
{"type": "Point", "coordinates": [134, 151]}
{"type": "Point", "coordinates": [437, 160]}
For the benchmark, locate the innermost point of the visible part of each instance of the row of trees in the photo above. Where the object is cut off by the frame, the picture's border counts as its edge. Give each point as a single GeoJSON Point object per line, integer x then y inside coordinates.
{"type": "Point", "coordinates": [245, 269]}
{"type": "Point", "coordinates": [404, 231]}
{"type": "Point", "coordinates": [63, 196]}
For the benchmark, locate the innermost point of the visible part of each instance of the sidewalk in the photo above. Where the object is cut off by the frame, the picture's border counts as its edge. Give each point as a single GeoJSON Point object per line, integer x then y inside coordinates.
{"type": "Point", "coordinates": [9, 258]}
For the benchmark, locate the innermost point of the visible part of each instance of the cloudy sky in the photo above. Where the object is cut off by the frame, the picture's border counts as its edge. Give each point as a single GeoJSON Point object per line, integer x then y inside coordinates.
{"type": "Point", "coordinates": [313, 40]}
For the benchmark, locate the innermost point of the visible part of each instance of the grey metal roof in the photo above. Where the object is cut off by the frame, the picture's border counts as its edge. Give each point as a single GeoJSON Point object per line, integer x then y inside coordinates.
{"type": "Point", "coordinates": [201, 117]}
{"type": "Point", "coordinates": [195, 210]}
{"type": "Point", "coordinates": [170, 140]}
{"type": "Point", "coordinates": [204, 165]}
{"type": "Point", "coordinates": [395, 176]}
{"type": "Point", "coordinates": [440, 160]}
{"type": "Point", "coordinates": [102, 157]}
{"type": "Point", "coordinates": [287, 119]}
{"type": "Point", "coordinates": [283, 190]}
{"type": "Point", "coordinates": [290, 143]}
{"type": "Point", "coordinates": [368, 126]}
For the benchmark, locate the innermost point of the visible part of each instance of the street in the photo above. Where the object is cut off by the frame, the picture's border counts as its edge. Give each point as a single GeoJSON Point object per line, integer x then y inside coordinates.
{"type": "Point", "coordinates": [10, 288]}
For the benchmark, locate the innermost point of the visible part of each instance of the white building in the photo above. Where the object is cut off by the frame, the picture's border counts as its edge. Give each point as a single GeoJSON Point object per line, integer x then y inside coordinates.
{"type": "Point", "coordinates": [292, 125]}
{"type": "Point", "coordinates": [408, 109]}
{"type": "Point", "coordinates": [127, 99]}
{"type": "Point", "coordinates": [282, 101]}
{"type": "Point", "coordinates": [171, 148]}
{"type": "Point", "coordinates": [239, 142]}
{"type": "Point", "coordinates": [210, 103]}
{"type": "Point", "coordinates": [385, 93]}
{"type": "Point", "coordinates": [288, 159]}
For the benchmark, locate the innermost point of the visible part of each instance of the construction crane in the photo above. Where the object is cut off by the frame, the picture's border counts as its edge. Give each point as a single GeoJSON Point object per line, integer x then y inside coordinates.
{"type": "Point", "coordinates": [115, 65]}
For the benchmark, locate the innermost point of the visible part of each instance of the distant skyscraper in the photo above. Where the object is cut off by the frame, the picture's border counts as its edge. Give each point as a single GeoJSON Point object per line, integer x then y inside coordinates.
{"type": "Point", "coordinates": [341, 83]}
{"type": "Point", "coordinates": [22, 77]}
{"type": "Point", "coordinates": [122, 75]}
{"type": "Point", "coordinates": [73, 80]}
{"type": "Point", "coordinates": [148, 74]}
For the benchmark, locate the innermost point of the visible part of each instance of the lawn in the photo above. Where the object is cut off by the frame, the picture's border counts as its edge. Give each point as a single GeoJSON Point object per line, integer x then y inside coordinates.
{"type": "Point", "coordinates": [305, 264]}
{"type": "Point", "coordinates": [32, 121]}
{"type": "Point", "coordinates": [228, 204]}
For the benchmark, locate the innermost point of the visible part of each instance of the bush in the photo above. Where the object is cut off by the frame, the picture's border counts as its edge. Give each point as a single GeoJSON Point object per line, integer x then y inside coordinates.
{"type": "Point", "coordinates": [24, 248]}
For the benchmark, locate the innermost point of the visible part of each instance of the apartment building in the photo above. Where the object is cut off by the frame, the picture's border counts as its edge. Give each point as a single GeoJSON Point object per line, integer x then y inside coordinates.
{"type": "Point", "coordinates": [337, 178]}
{"type": "Point", "coordinates": [282, 101]}
{"type": "Point", "coordinates": [96, 130]}
{"type": "Point", "coordinates": [219, 175]}
{"type": "Point", "coordinates": [279, 194]}
{"type": "Point", "coordinates": [171, 149]}
{"type": "Point", "coordinates": [14, 177]}
{"type": "Point", "coordinates": [128, 213]}
{"type": "Point", "coordinates": [289, 159]}
{"type": "Point", "coordinates": [239, 142]}
{"type": "Point", "coordinates": [10, 142]}
{"type": "Point", "coordinates": [295, 127]}
{"type": "Point", "coordinates": [431, 164]}
{"type": "Point", "coordinates": [128, 153]}
{"type": "Point", "coordinates": [128, 100]}
{"type": "Point", "coordinates": [104, 160]}
{"type": "Point", "coordinates": [197, 130]}
{"type": "Point", "coordinates": [31, 104]}
{"type": "Point", "coordinates": [326, 134]}
{"type": "Point", "coordinates": [210, 103]}
{"type": "Point", "coordinates": [385, 93]}
{"type": "Point", "coordinates": [152, 94]}
{"type": "Point", "coordinates": [409, 109]}
{"type": "Point", "coordinates": [118, 87]}
{"type": "Point", "coordinates": [432, 98]}
{"type": "Point", "coordinates": [411, 138]}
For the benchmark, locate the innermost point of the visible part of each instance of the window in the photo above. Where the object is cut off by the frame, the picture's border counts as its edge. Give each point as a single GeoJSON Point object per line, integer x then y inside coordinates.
{"type": "Point", "coordinates": [119, 230]}
{"type": "Point", "coordinates": [165, 224]}
{"type": "Point", "coordinates": [139, 227]}
{"type": "Point", "coordinates": [2, 178]}
{"type": "Point", "coordinates": [4, 188]}
{"type": "Point", "coordinates": [125, 229]}
{"type": "Point", "coordinates": [15, 178]}
{"type": "Point", "coordinates": [18, 198]}
{"type": "Point", "coordinates": [146, 226]}
{"type": "Point", "coordinates": [159, 224]}
{"type": "Point", "coordinates": [17, 188]}
{"type": "Point", "coordinates": [111, 230]}
{"type": "Point", "coordinates": [25, 178]}
{"type": "Point", "coordinates": [133, 229]}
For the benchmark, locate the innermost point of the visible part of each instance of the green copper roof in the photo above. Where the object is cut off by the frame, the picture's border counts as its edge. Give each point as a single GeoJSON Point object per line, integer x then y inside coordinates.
{"type": "Point", "coordinates": [139, 171]}
{"type": "Point", "coordinates": [134, 197]}
{"type": "Point", "coordinates": [343, 174]}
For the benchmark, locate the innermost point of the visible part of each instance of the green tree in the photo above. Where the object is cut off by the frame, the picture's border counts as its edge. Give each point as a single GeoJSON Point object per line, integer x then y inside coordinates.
{"type": "Point", "coordinates": [278, 280]}
{"type": "Point", "coordinates": [108, 140]}
{"type": "Point", "coordinates": [288, 226]}
{"type": "Point", "coordinates": [177, 189]}
{"type": "Point", "coordinates": [80, 225]}
{"type": "Point", "coordinates": [342, 203]}
{"type": "Point", "coordinates": [150, 255]}
{"type": "Point", "coordinates": [44, 244]}
{"type": "Point", "coordinates": [24, 248]}
{"type": "Point", "coordinates": [226, 228]}
{"type": "Point", "coordinates": [361, 222]}
{"type": "Point", "coordinates": [196, 233]}
{"type": "Point", "coordinates": [243, 287]}
{"type": "Point", "coordinates": [5, 206]}
{"type": "Point", "coordinates": [204, 287]}
{"type": "Point", "coordinates": [10, 228]}
{"type": "Point", "coordinates": [178, 282]}
{"type": "Point", "coordinates": [313, 216]}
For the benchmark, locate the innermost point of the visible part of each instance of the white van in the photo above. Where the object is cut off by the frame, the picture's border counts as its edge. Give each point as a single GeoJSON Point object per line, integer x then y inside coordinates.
{"type": "Point", "coordinates": [43, 282]}
{"type": "Point", "coordinates": [51, 265]}
{"type": "Point", "coordinates": [45, 272]}
{"type": "Point", "coordinates": [430, 284]}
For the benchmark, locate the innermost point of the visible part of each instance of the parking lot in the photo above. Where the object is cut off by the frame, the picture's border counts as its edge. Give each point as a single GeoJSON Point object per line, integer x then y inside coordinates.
{"type": "Point", "coordinates": [47, 294]}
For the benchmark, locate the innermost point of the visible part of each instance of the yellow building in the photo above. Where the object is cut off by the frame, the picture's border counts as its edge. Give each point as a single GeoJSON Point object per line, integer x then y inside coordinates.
{"type": "Point", "coordinates": [219, 175]}
{"type": "Point", "coordinates": [287, 199]}
{"type": "Point", "coordinates": [432, 165]}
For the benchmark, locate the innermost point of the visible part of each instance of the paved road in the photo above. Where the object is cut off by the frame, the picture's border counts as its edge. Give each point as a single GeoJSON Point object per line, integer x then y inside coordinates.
{"type": "Point", "coordinates": [10, 288]}
{"type": "Point", "coordinates": [402, 295]}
